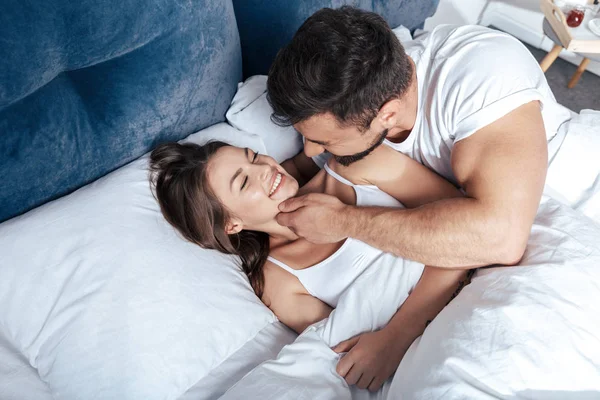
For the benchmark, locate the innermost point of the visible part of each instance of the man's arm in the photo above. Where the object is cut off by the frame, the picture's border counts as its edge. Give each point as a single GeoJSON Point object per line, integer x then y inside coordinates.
{"type": "Point", "coordinates": [301, 167]}
{"type": "Point", "coordinates": [373, 357]}
{"type": "Point", "coordinates": [502, 168]}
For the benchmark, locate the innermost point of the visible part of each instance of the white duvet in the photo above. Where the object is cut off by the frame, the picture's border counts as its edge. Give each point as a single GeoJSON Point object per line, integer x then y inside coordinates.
{"type": "Point", "coordinates": [526, 332]}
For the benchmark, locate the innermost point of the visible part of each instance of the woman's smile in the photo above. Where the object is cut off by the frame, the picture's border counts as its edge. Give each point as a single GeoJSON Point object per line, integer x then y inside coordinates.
{"type": "Point", "coordinates": [276, 183]}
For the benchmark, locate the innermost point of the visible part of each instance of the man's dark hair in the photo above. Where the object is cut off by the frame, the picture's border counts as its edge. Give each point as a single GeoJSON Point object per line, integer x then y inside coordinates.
{"type": "Point", "coordinates": [344, 61]}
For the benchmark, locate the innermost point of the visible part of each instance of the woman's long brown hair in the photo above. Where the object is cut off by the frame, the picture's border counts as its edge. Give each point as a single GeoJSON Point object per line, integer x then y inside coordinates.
{"type": "Point", "coordinates": [178, 177]}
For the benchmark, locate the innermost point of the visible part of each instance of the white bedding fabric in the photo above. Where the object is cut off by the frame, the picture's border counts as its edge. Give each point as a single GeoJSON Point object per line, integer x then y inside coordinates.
{"type": "Point", "coordinates": [527, 332]}
{"type": "Point", "coordinates": [264, 346]}
{"type": "Point", "coordinates": [18, 379]}
{"type": "Point", "coordinates": [574, 173]}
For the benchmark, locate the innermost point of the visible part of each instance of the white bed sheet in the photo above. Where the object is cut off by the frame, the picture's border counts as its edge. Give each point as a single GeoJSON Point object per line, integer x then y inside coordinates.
{"type": "Point", "coordinates": [264, 346]}
{"type": "Point", "coordinates": [574, 172]}
{"type": "Point", "coordinates": [18, 379]}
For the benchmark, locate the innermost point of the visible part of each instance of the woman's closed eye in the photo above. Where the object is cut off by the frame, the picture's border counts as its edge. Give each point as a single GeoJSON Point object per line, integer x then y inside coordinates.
{"type": "Point", "coordinates": [254, 157]}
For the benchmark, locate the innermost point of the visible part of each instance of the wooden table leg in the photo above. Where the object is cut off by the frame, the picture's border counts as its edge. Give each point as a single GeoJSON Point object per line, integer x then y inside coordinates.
{"type": "Point", "coordinates": [578, 73]}
{"type": "Point", "coordinates": [550, 57]}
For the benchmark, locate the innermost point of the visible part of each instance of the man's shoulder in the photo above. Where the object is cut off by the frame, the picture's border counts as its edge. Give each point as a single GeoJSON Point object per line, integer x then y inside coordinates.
{"type": "Point", "coordinates": [478, 51]}
{"type": "Point", "coordinates": [472, 67]}
{"type": "Point", "coordinates": [445, 38]}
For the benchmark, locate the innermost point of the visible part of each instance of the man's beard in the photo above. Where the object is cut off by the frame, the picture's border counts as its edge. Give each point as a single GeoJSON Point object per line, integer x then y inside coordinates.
{"type": "Point", "coordinates": [347, 160]}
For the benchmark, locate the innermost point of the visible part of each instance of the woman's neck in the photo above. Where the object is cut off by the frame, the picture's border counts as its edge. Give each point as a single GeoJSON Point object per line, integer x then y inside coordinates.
{"type": "Point", "coordinates": [282, 235]}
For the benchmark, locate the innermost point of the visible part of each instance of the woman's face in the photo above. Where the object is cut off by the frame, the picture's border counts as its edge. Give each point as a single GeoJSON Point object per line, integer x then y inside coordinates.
{"type": "Point", "coordinates": [250, 185]}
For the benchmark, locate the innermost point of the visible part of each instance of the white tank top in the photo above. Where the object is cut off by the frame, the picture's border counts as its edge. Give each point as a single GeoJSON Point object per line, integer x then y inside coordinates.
{"type": "Point", "coordinates": [328, 279]}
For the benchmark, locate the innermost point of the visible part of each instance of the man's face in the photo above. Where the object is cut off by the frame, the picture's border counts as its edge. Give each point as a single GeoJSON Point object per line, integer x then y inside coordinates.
{"type": "Point", "coordinates": [348, 144]}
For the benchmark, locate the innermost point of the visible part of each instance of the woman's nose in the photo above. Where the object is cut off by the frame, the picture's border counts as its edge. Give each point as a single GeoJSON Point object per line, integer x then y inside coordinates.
{"type": "Point", "coordinates": [266, 171]}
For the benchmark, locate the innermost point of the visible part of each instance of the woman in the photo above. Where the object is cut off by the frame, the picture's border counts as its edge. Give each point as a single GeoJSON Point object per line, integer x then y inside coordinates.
{"type": "Point", "coordinates": [226, 198]}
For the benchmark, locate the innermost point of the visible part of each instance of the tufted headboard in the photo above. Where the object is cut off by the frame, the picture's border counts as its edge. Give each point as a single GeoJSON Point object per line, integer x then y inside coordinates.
{"type": "Point", "coordinates": [87, 86]}
{"type": "Point", "coordinates": [267, 25]}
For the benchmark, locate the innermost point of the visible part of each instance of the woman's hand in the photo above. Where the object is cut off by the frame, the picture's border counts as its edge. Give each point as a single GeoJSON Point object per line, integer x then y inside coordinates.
{"type": "Point", "coordinates": [317, 217]}
{"type": "Point", "coordinates": [372, 358]}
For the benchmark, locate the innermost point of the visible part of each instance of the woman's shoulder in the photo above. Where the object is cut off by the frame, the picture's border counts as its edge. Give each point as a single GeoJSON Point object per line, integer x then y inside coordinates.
{"type": "Point", "coordinates": [382, 160]}
{"type": "Point", "coordinates": [279, 284]}
{"type": "Point", "coordinates": [289, 300]}
{"type": "Point", "coordinates": [315, 185]}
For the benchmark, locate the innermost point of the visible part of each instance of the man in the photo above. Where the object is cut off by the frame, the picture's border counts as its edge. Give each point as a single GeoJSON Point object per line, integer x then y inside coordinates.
{"type": "Point", "coordinates": [468, 102]}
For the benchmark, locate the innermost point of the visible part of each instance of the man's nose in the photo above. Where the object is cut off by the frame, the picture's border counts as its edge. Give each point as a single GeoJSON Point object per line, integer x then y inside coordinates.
{"type": "Point", "coordinates": [312, 149]}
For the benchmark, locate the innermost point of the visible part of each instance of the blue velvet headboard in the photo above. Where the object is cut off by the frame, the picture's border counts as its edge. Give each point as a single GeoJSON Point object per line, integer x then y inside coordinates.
{"type": "Point", "coordinates": [267, 25]}
{"type": "Point", "coordinates": [87, 86]}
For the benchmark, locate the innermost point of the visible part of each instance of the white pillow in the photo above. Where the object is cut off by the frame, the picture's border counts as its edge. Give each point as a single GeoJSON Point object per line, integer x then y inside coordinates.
{"type": "Point", "coordinates": [107, 301]}
{"type": "Point", "coordinates": [402, 33]}
{"type": "Point", "coordinates": [250, 111]}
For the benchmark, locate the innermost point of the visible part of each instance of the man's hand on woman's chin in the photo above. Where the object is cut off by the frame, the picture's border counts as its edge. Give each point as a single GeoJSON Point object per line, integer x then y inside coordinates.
{"type": "Point", "coordinates": [372, 358]}
{"type": "Point", "coordinates": [317, 217]}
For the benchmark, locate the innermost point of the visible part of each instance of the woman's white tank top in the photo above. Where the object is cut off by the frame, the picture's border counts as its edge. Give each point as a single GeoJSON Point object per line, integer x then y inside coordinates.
{"type": "Point", "coordinates": [328, 279]}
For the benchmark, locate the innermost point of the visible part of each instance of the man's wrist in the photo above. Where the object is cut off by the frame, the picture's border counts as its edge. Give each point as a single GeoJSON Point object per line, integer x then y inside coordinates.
{"type": "Point", "coordinates": [399, 339]}
{"type": "Point", "coordinates": [403, 327]}
{"type": "Point", "coordinates": [348, 220]}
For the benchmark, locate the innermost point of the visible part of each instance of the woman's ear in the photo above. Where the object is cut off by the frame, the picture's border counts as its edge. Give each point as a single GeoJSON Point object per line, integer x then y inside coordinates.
{"type": "Point", "coordinates": [234, 225]}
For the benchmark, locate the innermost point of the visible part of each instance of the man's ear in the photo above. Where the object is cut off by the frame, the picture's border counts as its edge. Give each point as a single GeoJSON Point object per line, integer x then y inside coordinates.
{"type": "Point", "coordinates": [388, 114]}
{"type": "Point", "coordinates": [233, 226]}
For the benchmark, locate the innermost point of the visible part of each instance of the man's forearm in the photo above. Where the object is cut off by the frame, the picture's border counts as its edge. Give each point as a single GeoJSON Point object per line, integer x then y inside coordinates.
{"type": "Point", "coordinates": [434, 290]}
{"type": "Point", "coordinates": [450, 233]}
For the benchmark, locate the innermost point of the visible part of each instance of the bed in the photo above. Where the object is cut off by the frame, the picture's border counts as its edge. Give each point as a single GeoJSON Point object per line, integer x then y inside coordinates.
{"type": "Point", "coordinates": [101, 299]}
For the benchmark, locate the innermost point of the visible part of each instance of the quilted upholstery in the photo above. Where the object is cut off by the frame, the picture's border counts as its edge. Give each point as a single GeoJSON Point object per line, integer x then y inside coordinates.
{"type": "Point", "coordinates": [266, 25]}
{"type": "Point", "coordinates": [87, 86]}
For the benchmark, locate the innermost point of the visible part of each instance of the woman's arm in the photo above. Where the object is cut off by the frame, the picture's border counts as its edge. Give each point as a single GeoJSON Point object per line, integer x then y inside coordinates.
{"type": "Point", "coordinates": [287, 298]}
{"type": "Point", "coordinates": [410, 182]}
{"type": "Point", "coordinates": [373, 357]}
{"type": "Point", "coordinates": [301, 167]}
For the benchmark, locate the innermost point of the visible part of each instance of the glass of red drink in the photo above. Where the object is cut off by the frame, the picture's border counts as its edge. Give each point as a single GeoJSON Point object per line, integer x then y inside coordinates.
{"type": "Point", "coordinates": [575, 16]}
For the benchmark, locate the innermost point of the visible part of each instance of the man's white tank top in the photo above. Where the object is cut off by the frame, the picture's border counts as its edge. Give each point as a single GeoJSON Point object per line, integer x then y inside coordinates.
{"type": "Point", "coordinates": [328, 279]}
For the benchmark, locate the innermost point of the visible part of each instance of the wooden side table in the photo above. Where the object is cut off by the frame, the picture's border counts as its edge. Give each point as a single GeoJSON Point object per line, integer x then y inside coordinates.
{"type": "Point", "coordinates": [579, 40]}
